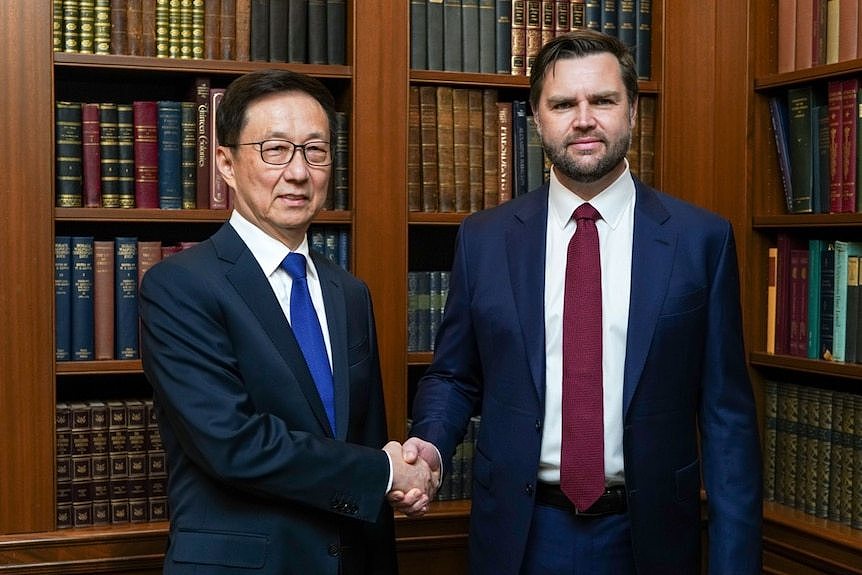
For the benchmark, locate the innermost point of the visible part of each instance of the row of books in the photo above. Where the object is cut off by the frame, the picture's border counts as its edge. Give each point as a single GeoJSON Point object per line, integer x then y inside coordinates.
{"type": "Point", "coordinates": [813, 451]}
{"type": "Point", "coordinates": [426, 298]}
{"type": "Point", "coordinates": [814, 300]}
{"type": "Point", "coordinates": [816, 32]}
{"type": "Point", "coordinates": [458, 480]}
{"type": "Point", "coordinates": [96, 294]}
{"type": "Point", "coordinates": [96, 289]}
{"type": "Point", "coordinates": [504, 36]}
{"type": "Point", "coordinates": [818, 132]}
{"type": "Point", "coordinates": [303, 31]}
{"type": "Point", "coordinates": [155, 154]}
{"type": "Point", "coordinates": [111, 465]}
{"type": "Point", "coordinates": [468, 151]}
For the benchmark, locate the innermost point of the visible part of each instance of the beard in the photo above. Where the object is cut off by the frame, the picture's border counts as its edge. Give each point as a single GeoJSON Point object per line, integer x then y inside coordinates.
{"type": "Point", "coordinates": [583, 172]}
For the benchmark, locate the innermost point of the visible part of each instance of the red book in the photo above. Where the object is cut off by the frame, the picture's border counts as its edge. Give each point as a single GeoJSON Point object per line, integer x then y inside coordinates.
{"type": "Point", "coordinates": [146, 154]}
{"type": "Point", "coordinates": [218, 191]}
{"type": "Point", "coordinates": [799, 302]}
{"type": "Point", "coordinates": [786, 35]}
{"type": "Point", "coordinates": [835, 111]}
{"type": "Point", "coordinates": [804, 34]}
{"type": "Point", "coordinates": [850, 88]}
{"type": "Point", "coordinates": [504, 118]}
{"type": "Point", "coordinates": [848, 26]}
{"type": "Point", "coordinates": [91, 156]}
{"type": "Point", "coordinates": [103, 299]}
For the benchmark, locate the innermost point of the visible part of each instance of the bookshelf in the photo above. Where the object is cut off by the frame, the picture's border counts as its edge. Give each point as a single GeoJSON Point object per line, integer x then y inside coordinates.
{"type": "Point", "coordinates": [698, 48]}
{"type": "Point", "coordinates": [794, 541]}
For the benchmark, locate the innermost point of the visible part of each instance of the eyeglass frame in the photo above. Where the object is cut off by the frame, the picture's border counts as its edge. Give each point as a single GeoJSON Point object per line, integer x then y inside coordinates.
{"type": "Point", "coordinates": [292, 154]}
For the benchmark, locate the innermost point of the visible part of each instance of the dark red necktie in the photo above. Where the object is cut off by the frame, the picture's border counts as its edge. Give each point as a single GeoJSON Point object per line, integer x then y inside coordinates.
{"type": "Point", "coordinates": [582, 469]}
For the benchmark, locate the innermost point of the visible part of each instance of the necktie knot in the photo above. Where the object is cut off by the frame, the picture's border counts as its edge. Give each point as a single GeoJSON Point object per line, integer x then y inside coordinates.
{"type": "Point", "coordinates": [586, 212]}
{"type": "Point", "coordinates": [294, 265]}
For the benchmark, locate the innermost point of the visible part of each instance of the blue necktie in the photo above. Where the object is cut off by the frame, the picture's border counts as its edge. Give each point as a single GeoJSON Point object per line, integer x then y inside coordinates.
{"type": "Point", "coordinates": [306, 328]}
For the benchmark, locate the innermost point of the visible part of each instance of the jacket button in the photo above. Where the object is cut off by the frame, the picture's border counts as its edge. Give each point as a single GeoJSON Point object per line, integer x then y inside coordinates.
{"type": "Point", "coordinates": [528, 489]}
{"type": "Point", "coordinates": [538, 425]}
{"type": "Point", "coordinates": [332, 550]}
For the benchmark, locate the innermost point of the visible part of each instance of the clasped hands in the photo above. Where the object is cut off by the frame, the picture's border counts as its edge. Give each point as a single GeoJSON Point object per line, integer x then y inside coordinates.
{"type": "Point", "coordinates": [416, 469]}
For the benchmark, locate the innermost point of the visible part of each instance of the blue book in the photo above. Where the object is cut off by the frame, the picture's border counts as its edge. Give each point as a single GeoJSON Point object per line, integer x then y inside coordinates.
{"type": "Point", "coordinates": [82, 298]}
{"type": "Point", "coordinates": [62, 298]}
{"type": "Point", "coordinates": [487, 36]}
{"type": "Point", "coordinates": [126, 298]}
{"type": "Point", "coordinates": [169, 127]}
{"type": "Point", "coordinates": [470, 45]}
{"type": "Point", "coordinates": [519, 147]}
{"type": "Point", "coordinates": [778, 114]}
{"type": "Point", "coordinates": [593, 14]}
{"type": "Point", "coordinates": [418, 35]}
{"type": "Point", "coordinates": [503, 36]}
{"type": "Point", "coordinates": [331, 244]}
{"type": "Point", "coordinates": [840, 320]}
{"type": "Point", "coordinates": [434, 34]}
{"type": "Point", "coordinates": [344, 248]}
{"type": "Point", "coordinates": [452, 36]}
{"type": "Point", "coordinates": [317, 240]}
{"type": "Point", "coordinates": [643, 34]}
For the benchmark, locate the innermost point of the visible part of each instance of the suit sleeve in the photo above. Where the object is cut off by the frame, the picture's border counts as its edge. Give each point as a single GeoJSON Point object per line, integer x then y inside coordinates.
{"type": "Point", "coordinates": [190, 337]}
{"type": "Point", "coordinates": [729, 433]}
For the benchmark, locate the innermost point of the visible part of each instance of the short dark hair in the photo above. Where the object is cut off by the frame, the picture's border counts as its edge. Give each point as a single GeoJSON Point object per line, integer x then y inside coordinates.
{"type": "Point", "coordinates": [578, 43]}
{"type": "Point", "coordinates": [244, 90]}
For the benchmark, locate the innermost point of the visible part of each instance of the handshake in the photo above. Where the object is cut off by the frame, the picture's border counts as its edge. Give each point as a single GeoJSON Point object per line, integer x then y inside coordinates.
{"type": "Point", "coordinates": [416, 470]}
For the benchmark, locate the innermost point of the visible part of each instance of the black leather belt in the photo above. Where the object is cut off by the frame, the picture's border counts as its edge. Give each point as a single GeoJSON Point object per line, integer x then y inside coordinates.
{"type": "Point", "coordinates": [612, 501]}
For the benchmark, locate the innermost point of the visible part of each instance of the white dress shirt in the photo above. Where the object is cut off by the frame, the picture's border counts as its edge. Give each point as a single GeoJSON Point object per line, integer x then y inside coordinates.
{"type": "Point", "coordinates": [269, 253]}
{"type": "Point", "coordinates": [616, 205]}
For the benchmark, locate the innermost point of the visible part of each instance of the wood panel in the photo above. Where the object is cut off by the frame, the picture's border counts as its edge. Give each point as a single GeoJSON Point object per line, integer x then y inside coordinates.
{"type": "Point", "coordinates": [379, 176]}
{"type": "Point", "coordinates": [27, 262]}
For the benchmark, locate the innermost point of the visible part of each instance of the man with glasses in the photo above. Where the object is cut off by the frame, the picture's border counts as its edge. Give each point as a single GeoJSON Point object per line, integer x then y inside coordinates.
{"type": "Point", "coordinates": [263, 357]}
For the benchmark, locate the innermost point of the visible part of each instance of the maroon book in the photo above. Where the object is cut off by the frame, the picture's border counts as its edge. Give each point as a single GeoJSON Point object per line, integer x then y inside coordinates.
{"type": "Point", "coordinates": [146, 154]}
{"type": "Point", "coordinates": [91, 155]}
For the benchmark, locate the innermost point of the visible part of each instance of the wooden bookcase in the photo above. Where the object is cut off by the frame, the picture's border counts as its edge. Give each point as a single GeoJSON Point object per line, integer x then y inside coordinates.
{"type": "Point", "coordinates": [794, 542]}
{"type": "Point", "coordinates": [713, 148]}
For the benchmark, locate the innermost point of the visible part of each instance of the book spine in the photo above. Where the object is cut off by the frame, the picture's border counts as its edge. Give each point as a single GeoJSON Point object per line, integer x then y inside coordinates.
{"type": "Point", "coordinates": [227, 30]}
{"type": "Point", "coordinates": [428, 119]}
{"type": "Point", "coordinates": [119, 27]}
{"type": "Point", "coordinates": [102, 27]}
{"type": "Point", "coordinates": [188, 154]}
{"type": "Point", "coordinates": [815, 254]}
{"type": "Point", "coordinates": [126, 155]}
{"type": "Point", "coordinates": [609, 17]}
{"type": "Point", "coordinates": [771, 295]}
{"type": "Point", "coordinates": [186, 29]}
{"type": "Point", "coordinates": [218, 191]}
{"type": "Point", "coordinates": [470, 44]}
{"type": "Point", "coordinates": [626, 21]}
{"type": "Point", "coordinates": [71, 23]}
{"type": "Point", "coordinates": [549, 17]}
{"type": "Point", "coordinates": [786, 36]}
{"type": "Point", "coordinates": [169, 139]}
{"type": "Point", "coordinates": [801, 158]}
{"type": "Point", "coordinates": [593, 14]}
{"type": "Point", "coordinates": [62, 298]}
{"type": "Point", "coordinates": [803, 57]}
{"type": "Point", "coordinates": [202, 142]}
{"type": "Point", "coordinates": [643, 51]}
{"type": "Point", "coordinates": [646, 119]}
{"type": "Point", "coordinates": [110, 150]}
{"type": "Point", "coordinates": [504, 121]}
{"type": "Point", "coordinates": [126, 297]}
{"type": "Point", "coordinates": [452, 40]}
{"type": "Point", "coordinates": [211, 29]}
{"type": "Point", "coordinates": [163, 32]}
{"type": "Point", "coordinates": [445, 149]}
{"type": "Point", "coordinates": [118, 461]}
{"type": "Point", "coordinates": [836, 116]}
{"type": "Point", "coordinates": [145, 114]}
{"type": "Point", "coordinates": [535, 156]}
{"type": "Point", "coordinates": [461, 148]}
{"type": "Point", "coordinates": [297, 31]}
{"type": "Point", "coordinates": [87, 26]}
{"type": "Point", "coordinates": [199, 29]}
{"type": "Point", "coordinates": [418, 35]}
{"type": "Point", "coordinates": [414, 152]}
{"type": "Point", "coordinates": [68, 141]}
{"type": "Point", "coordinates": [534, 32]}
{"type": "Point", "coordinates": [91, 158]}
{"type": "Point", "coordinates": [770, 435]}
{"type": "Point", "coordinates": [341, 169]}
{"type": "Point", "coordinates": [519, 150]}
{"type": "Point", "coordinates": [100, 462]}
{"type": "Point", "coordinates": [578, 18]}
{"type": "Point", "coordinates": [103, 299]}
{"type": "Point", "coordinates": [317, 40]}
{"type": "Point", "coordinates": [487, 37]}
{"type": "Point", "coordinates": [434, 15]}
{"type": "Point", "coordinates": [849, 93]}
{"type": "Point", "coordinates": [519, 38]}
{"type": "Point", "coordinates": [823, 446]}
{"type": "Point", "coordinates": [260, 18]}
{"type": "Point", "coordinates": [475, 159]}
{"type": "Point", "coordinates": [336, 32]}
{"type": "Point", "coordinates": [134, 27]}
{"type": "Point", "coordinates": [82, 297]}
{"type": "Point", "coordinates": [503, 33]}
{"type": "Point", "coordinates": [827, 300]}
{"type": "Point", "coordinates": [278, 30]}
{"type": "Point", "coordinates": [490, 143]}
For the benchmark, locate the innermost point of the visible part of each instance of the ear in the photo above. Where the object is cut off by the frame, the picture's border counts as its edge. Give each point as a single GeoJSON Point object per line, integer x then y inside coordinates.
{"type": "Point", "coordinates": [633, 113]}
{"type": "Point", "coordinates": [225, 164]}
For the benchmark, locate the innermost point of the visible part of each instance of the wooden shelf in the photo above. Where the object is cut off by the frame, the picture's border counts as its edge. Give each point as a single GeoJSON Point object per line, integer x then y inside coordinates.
{"type": "Point", "coordinates": [804, 365]}
{"type": "Point", "coordinates": [420, 357]}
{"type": "Point", "coordinates": [435, 218]}
{"type": "Point", "coordinates": [173, 216]}
{"type": "Point", "coordinates": [800, 221]}
{"type": "Point", "coordinates": [815, 74]}
{"type": "Point", "coordinates": [101, 367]}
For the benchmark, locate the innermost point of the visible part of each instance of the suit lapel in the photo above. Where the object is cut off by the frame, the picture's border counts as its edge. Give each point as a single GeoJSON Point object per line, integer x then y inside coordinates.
{"type": "Point", "coordinates": [253, 287]}
{"type": "Point", "coordinates": [336, 319]}
{"type": "Point", "coordinates": [652, 261]}
{"type": "Point", "coordinates": [525, 246]}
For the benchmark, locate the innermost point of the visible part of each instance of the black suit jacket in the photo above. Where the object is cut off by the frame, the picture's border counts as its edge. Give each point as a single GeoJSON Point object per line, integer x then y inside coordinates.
{"type": "Point", "coordinates": [257, 481]}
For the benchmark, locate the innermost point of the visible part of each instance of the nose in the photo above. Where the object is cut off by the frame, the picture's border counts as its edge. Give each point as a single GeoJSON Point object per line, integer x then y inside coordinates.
{"type": "Point", "coordinates": [296, 168]}
{"type": "Point", "coordinates": [583, 116]}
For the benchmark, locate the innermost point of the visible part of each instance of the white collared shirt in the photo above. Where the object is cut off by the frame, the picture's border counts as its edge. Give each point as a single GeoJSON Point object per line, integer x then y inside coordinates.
{"type": "Point", "coordinates": [269, 253]}
{"type": "Point", "coordinates": [616, 231]}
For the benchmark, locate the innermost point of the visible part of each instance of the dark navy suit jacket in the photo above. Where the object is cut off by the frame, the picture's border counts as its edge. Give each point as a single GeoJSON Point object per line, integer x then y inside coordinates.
{"type": "Point", "coordinates": [257, 480]}
{"type": "Point", "coordinates": [685, 375]}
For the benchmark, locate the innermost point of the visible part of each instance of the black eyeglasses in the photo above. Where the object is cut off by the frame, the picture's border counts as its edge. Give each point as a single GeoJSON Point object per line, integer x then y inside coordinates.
{"type": "Point", "coordinates": [281, 152]}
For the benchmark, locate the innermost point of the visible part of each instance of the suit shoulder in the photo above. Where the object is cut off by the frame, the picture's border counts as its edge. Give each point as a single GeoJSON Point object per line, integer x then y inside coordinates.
{"type": "Point", "coordinates": [688, 215]}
